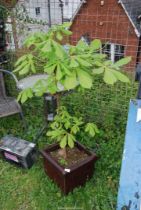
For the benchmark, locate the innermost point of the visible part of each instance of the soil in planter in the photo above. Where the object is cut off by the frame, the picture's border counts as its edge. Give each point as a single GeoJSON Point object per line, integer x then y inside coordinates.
{"type": "Point", "coordinates": [74, 156]}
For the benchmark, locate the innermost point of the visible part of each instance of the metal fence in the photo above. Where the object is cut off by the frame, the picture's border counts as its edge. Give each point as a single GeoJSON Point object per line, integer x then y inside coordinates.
{"type": "Point", "coordinates": [116, 23]}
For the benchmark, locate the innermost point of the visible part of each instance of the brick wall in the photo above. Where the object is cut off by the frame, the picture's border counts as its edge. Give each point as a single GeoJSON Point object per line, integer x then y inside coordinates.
{"type": "Point", "coordinates": [108, 23]}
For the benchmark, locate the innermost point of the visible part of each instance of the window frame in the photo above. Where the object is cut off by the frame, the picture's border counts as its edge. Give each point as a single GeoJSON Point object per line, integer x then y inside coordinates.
{"type": "Point", "coordinates": [38, 11]}
{"type": "Point", "coordinates": [112, 53]}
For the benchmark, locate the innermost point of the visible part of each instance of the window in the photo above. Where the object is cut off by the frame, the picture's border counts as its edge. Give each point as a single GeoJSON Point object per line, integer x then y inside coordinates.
{"type": "Point", "coordinates": [85, 38]}
{"type": "Point", "coordinates": [37, 11]}
{"type": "Point", "coordinates": [114, 51]}
{"type": "Point", "coordinates": [9, 38]}
{"type": "Point", "coordinates": [66, 2]}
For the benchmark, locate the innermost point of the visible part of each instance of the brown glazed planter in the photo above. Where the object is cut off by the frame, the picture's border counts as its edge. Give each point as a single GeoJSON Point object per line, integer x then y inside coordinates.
{"type": "Point", "coordinates": [76, 175]}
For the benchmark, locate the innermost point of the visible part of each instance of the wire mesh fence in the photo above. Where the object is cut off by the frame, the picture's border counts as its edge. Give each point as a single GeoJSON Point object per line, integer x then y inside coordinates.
{"type": "Point", "coordinates": [115, 23]}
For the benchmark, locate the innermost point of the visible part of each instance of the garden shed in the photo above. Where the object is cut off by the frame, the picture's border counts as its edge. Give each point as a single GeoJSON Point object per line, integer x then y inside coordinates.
{"type": "Point", "coordinates": [115, 22]}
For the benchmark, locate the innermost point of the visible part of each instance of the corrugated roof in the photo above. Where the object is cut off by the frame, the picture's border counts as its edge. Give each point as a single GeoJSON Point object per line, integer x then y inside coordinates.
{"type": "Point", "coordinates": [133, 11]}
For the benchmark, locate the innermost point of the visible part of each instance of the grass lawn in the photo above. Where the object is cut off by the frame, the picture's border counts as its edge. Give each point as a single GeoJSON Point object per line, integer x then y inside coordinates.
{"type": "Point", "coordinates": [33, 190]}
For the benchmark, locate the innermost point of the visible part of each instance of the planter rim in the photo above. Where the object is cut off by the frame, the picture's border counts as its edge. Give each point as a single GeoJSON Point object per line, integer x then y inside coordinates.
{"type": "Point", "coordinates": [45, 153]}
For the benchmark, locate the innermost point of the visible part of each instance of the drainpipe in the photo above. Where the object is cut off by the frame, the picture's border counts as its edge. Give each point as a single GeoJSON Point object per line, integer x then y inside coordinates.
{"type": "Point", "coordinates": [62, 12]}
{"type": "Point", "coordinates": [14, 30]}
{"type": "Point", "coordinates": [49, 14]}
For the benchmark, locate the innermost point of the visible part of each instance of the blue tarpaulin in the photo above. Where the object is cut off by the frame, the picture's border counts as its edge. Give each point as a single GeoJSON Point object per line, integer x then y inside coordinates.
{"type": "Point", "coordinates": [129, 195]}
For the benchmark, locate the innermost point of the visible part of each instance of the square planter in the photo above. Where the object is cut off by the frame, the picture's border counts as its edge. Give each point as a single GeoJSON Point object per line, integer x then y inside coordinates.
{"type": "Point", "coordinates": [69, 178]}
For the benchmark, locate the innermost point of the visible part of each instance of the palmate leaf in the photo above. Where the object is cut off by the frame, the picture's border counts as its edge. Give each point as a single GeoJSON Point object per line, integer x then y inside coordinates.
{"type": "Point", "coordinates": [84, 78]}
{"type": "Point", "coordinates": [49, 68]}
{"type": "Point", "coordinates": [21, 66]}
{"type": "Point", "coordinates": [99, 56]}
{"type": "Point", "coordinates": [38, 37]}
{"type": "Point", "coordinates": [109, 77]}
{"type": "Point", "coordinates": [54, 134]}
{"type": "Point", "coordinates": [120, 76]}
{"type": "Point", "coordinates": [26, 64]}
{"type": "Point", "coordinates": [71, 140]}
{"type": "Point", "coordinates": [25, 70]}
{"type": "Point", "coordinates": [70, 81]}
{"type": "Point", "coordinates": [73, 63]}
{"type": "Point", "coordinates": [112, 76]}
{"type": "Point", "coordinates": [29, 41]}
{"type": "Point", "coordinates": [75, 129]}
{"type": "Point", "coordinates": [83, 62]}
{"type": "Point", "coordinates": [24, 97]}
{"type": "Point", "coordinates": [21, 60]}
{"type": "Point", "coordinates": [98, 70]}
{"type": "Point", "coordinates": [59, 73]}
{"type": "Point", "coordinates": [66, 69]}
{"type": "Point", "coordinates": [59, 36]}
{"type": "Point", "coordinates": [25, 94]}
{"type": "Point", "coordinates": [63, 142]}
{"type": "Point", "coordinates": [122, 62]}
{"type": "Point", "coordinates": [47, 47]}
{"type": "Point", "coordinates": [92, 129]}
{"type": "Point", "coordinates": [81, 45]}
{"type": "Point", "coordinates": [59, 50]}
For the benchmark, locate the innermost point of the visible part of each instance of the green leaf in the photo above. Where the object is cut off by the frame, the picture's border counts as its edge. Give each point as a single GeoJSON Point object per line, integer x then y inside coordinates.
{"type": "Point", "coordinates": [47, 46]}
{"type": "Point", "coordinates": [96, 44]}
{"type": "Point", "coordinates": [50, 68]}
{"type": "Point", "coordinates": [66, 24]}
{"type": "Point", "coordinates": [98, 63]}
{"type": "Point", "coordinates": [92, 129]}
{"type": "Point", "coordinates": [24, 97]}
{"type": "Point", "coordinates": [120, 76]}
{"type": "Point", "coordinates": [99, 56]}
{"type": "Point", "coordinates": [33, 69]}
{"type": "Point", "coordinates": [29, 93]}
{"type": "Point", "coordinates": [59, 73]}
{"type": "Point", "coordinates": [71, 140]}
{"type": "Point", "coordinates": [66, 69]}
{"type": "Point", "coordinates": [59, 36]}
{"type": "Point", "coordinates": [21, 66]}
{"type": "Point", "coordinates": [59, 50]}
{"type": "Point", "coordinates": [67, 124]}
{"type": "Point", "coordinates": [83, 62]}
{"type": "Point", "coordinates": [84, 78]}
{"type": "Point", "coordinates": [25, 70]}
{"type": "Point", "coordinates": [63, 142]}
{"type": "Point", "coordinates": [70, 82]}
{"type": "Point", "coordinates": [19, 96]}
{"type": "Point", "coordinates": [73, 63]}
{"type": "Point", "coordinates": [109, 77]}
{"type": "Point", "coordinates": [96, 128]}
{"type": "Point", "coordinates": [21, 59]}
{"type": "Point", "coordinates": [98, 70]}
{"type": "Point", "coordinates": [82, 45]}
{"type": "Point", "coordinates": [29, 41]}
{"type": "Point", "coordinates": [66, 32]}
{"type": "Point", "coordinates": [122, 62]}
{"type": "Point", "coordinates": [75, 129]}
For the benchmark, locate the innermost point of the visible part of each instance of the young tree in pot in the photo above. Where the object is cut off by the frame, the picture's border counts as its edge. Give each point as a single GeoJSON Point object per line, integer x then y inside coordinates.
{"type": "Point", "coordinates": [71, 67]}
{"type": "Point", "coordinates": [65, 128]}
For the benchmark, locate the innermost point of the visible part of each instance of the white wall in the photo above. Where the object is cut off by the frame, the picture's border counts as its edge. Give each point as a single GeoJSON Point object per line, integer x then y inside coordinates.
{"type": "Point", "coordinates": [70, 7]}
{"type": "Point", "coordinates": [30, 6]}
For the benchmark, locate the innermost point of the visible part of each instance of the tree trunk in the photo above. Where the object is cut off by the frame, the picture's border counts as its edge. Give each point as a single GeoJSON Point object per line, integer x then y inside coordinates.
{"type": "Point", "coordinates": [63, 153]}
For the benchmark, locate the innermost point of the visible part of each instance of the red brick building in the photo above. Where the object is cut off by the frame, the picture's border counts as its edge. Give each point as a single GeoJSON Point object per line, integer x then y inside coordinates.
{"type": "Point", "coordinates": [116, 23]}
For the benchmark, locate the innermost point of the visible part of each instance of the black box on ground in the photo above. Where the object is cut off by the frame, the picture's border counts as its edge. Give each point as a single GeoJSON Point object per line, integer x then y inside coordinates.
{"type": "Point", "coordinates": [18, 151]}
